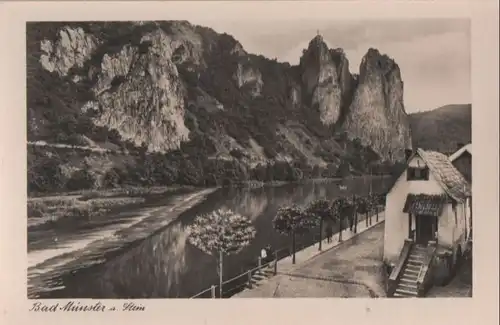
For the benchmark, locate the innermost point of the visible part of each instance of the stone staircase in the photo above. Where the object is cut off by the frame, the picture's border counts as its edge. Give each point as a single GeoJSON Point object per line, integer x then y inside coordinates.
{"type": "Point", "coordinates": [261, 275]}
{"type": "Point", "coordinates": [407, 286]}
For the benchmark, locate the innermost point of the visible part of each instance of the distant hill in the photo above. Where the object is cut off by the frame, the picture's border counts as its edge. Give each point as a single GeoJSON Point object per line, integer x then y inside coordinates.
{"type": "Point", "coordinates": [443, 128]}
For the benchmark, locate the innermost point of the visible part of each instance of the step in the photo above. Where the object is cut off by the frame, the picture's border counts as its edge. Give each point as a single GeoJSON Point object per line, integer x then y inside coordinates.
{"type": "Point", "coordinates": [408, 286]}
{"type": "Point", "coordinates": [412, 267]}
{"type": "Point", "coordinates": [415, 260]}
{"type": "Point", "coordinates": [408, 279]}
{"type": "Point", "coordinates": [420, 258]}
{"type": "Point", "coordinates": [398, 295]}
{"type": "Point", "coordinates": [406, 292]}
{"type": "Point", "coordinates": [411, 272]}
{"type": "Point", "coordinates": [411, 281]}
{"type": "Point", "coordinates": [414, 264]}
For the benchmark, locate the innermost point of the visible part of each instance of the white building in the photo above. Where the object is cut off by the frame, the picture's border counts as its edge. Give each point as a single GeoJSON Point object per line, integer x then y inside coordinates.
{"type": "Point", "coordinates": [462, 160]}
{"type": "Point", "coordinates": [426, 223]}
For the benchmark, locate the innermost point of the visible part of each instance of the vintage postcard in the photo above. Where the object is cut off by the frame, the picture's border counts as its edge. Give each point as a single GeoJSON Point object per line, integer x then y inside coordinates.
{"type": "Point", "coordinates": [192, 156]}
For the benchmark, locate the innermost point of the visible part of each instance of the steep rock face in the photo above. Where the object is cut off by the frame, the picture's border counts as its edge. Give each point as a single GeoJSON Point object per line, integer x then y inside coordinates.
{"type": "Point", "coordinates": [377, 115]}
{"type": "Point", "coordinates": [72, 48]}
{"type": "Point", "coordinates": [325, 78]}
{"type": "Point", "coordinates": [140, 93]}
{"type": "Point", "coordinates": [163, 84]}
{"type": "Point", "coordinates": [246, 75]}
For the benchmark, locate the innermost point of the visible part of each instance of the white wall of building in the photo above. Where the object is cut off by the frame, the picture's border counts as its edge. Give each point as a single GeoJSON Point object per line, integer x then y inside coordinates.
{"type": "Point", "coordinates": [396, 221]}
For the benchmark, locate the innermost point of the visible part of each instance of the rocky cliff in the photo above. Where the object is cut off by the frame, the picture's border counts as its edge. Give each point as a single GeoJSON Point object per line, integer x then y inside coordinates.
{"type": "Point", "coordinates": [182, 91]}
{"type": "Point", "coordinates": [376, 115]}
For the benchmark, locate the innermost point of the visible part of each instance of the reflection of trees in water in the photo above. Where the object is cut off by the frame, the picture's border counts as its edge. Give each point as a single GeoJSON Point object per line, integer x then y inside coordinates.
{"type": "Point", "coordinates": [249, 203]}
{"type": "Point", "coordinates": [153, 269]}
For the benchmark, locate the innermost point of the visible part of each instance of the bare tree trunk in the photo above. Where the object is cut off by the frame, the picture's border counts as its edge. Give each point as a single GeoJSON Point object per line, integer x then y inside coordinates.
{"type": "Point", "coordinates": [220, 272]}
{"type": "Point", "coordinates": [355, 219]}
{"type": "Point", "coordinates": [470, 218]}
{"type": "Point", "coordinates": [355, 214]}
{"type": "Point", "coordinates": [293, 247]}
{"type": "Point", "coordinates": [320, 232]}
{"type": "Point", "coordinates": [340, 230]}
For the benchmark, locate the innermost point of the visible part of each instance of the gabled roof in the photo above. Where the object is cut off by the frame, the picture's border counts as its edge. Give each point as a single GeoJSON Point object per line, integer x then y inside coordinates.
{"type": "Point", "coordinates": [450, 179]}
{"type": "Point", "coordinates": [460, 151]}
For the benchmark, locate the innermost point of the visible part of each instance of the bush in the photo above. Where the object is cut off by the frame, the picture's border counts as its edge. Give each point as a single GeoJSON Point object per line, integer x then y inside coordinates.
{"type": "Point", "coordinates": [44, 175]}
{"type": "Point", "coordinates": [80, 180]}
{"type": "Point", "coordinates": [237, 153]}
{"type": "Point", "coordinates": [113, 178]}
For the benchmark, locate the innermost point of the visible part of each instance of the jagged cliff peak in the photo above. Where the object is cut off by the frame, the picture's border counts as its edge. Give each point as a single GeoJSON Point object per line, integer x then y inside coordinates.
{"type": "Point", "coordinates": [377, 114]}
{"type": "Point", "coordinates": [326, 79]}
{"type": "Point", "coordinates": [317, 42]}
{"type": "Point", "coordinates": [375, 62]}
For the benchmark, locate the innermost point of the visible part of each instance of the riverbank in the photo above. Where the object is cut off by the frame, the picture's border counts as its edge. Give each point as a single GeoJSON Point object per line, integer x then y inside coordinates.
{"type": "Point", "coordinates": [320, 180]}
{"type": "Point", "coordinates": [72, 251]}
{"type": "Point", "coordinates": [60, 209]}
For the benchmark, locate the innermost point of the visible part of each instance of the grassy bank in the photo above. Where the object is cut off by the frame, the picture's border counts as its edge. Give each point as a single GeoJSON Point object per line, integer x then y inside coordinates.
{"type": "Point", "coordinates": [321, 180]}
{"type": "Point", "coordinates": [84, 206]}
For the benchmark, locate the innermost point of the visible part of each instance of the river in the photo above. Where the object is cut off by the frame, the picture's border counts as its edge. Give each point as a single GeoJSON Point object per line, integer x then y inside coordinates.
{"type": "Point", "coordinates": [165, 265]}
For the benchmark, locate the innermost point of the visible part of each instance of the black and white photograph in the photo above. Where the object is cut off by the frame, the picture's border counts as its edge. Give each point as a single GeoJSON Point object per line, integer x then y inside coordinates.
{"type": "Point", "coordinates": [227, 159]}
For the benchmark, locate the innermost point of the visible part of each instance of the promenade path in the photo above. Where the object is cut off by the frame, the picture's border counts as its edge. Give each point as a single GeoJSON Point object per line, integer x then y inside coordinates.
{"type": "Point", "coordinates": [352, 268]}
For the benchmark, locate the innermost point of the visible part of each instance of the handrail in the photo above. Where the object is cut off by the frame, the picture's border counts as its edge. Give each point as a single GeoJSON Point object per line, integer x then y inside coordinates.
{"type": "Point", "coordinates": [396, 272]}
{"type": "Point", "coordinates": [257, 268]}
{"type": "Point", "coordinates": [202, 292]}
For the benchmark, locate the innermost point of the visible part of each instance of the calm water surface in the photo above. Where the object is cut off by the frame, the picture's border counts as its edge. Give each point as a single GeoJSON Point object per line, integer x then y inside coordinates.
{"type": "Point", "coordinates": [165, 265]}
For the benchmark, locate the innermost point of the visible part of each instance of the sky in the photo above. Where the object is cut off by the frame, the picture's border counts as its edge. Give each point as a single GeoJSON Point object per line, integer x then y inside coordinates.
{"type": "Point", "coordinates": [433, 54]}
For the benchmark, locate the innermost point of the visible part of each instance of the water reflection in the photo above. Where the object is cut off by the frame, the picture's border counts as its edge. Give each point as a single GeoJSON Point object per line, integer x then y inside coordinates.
{"type": "Point", "coordinates": [166, 265]}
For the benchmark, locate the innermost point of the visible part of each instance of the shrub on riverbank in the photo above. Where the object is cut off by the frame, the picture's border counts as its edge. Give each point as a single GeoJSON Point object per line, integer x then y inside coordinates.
{"type": "Point", "coordinates": [41, 211]}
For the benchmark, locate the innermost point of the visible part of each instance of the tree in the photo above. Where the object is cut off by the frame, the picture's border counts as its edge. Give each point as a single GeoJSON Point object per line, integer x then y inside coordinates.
{"type": "Point", "coordinates": [291, 221]}
{"type": "Point", "coordinates": [340, 210]}
{"type": "Point", "coordinates": [362, 207]}
{"type": "Point", "coordinates": [44, 174]}
{"type": "Point", "coordinates": [113, 178]}
{"type": "Point", "coordinates": [319, 209]}
{"type": "Point", "coordinates": [379, 199]}
{"type": "Point", "coordinates": [81, 180]}
{"type": "Point", "coordinates": [221, 232]}
{"type": "Point", "coordinates": [343, 170]}
{"type": "Point", "coordinates": [371, 202]}
{"type": "Point", "coordinates": [353, 202]}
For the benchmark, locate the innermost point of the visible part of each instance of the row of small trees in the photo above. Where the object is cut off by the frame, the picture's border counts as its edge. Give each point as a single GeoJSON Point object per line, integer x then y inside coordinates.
{"type": "Point", "coordinates": [295, 220]}
{"type": "Point", "coordinates": [224, 232]}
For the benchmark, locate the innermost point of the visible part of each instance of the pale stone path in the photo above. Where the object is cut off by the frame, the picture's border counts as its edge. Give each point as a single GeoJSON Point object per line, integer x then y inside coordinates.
{"type": "Point", "coordinates": [368, 251]}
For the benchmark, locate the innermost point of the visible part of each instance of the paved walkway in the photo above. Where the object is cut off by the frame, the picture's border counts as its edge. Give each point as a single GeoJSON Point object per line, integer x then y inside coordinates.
{"type": "Point", "coordinates": [352, 268]}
